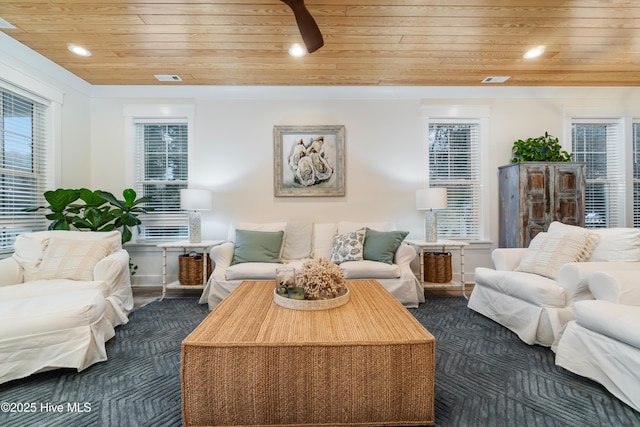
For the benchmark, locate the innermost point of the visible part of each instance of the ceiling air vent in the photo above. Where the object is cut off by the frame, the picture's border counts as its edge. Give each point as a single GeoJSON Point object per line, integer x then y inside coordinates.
{"type": "Point", "coordinates": [496, 79]}
{"type": "Point", "coordinates": [168, 77]}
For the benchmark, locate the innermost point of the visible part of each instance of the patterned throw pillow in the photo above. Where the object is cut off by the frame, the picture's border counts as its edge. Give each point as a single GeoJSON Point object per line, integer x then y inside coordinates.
{"type": "Point", "coordinates": [72, 259]}
{"type": "Point", "coordinates": [348, 247]}
{"type": "Point", "coordinates": [547, 252]}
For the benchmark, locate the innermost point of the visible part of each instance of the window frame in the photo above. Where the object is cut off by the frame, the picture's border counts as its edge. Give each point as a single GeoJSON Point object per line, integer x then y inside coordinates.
{"type": "Point", "coordinates": [42, 165]}
{"type": "Point", "coordinates": [617, 173]}
{"type": "Point", "coordinates": [463, 114]}
{"type": "Point", "coordinates": [159, 114]}
{"type": "Point", "coordinates": [634, 138]}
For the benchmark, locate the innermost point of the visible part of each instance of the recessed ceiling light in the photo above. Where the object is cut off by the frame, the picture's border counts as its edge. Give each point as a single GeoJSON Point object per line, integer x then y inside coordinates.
{"type": "Point", "coordinates": [534, 53]}
{"type": "Point", "coordinates": [79, 50]}
{"type": "Point", "coordinates": [297, 50]}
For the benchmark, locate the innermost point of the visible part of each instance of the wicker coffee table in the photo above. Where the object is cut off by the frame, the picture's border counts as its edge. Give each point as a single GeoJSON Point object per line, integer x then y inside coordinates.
{"type": "Point", "coordinates": [252, 362]}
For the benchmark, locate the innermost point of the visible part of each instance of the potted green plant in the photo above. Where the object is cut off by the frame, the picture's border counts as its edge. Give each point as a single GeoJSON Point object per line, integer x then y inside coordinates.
{"type": "Point", "coordinates": [97, 210]}
{"type": "Point", "coordinates": [544, 148]}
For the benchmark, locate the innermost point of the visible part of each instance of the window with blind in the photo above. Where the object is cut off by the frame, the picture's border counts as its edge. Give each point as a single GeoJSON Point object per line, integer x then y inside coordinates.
{"type": "Point", "coordinates": [598, 144]}
{"type": "Point", "coordinates": [161, 172]}
{"type": "Point", "coordinates": [636, 174]}
{"type": "Point", "coordinates": [454, 163]}
{"type": "Point", "coordinates": [23, 164]}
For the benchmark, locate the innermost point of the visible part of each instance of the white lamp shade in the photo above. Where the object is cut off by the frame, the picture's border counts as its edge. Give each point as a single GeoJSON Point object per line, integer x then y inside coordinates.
{"type": "Point", "coordinates": [431, 198]}
{"type": "Point", "coordinates": [195, 200]}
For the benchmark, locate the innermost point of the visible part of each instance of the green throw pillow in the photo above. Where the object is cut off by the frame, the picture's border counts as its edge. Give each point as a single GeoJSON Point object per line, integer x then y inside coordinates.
{"type": "Point", "coordinates": [257, 246]}
{"type": "Point", "coordinates": [382, 245]}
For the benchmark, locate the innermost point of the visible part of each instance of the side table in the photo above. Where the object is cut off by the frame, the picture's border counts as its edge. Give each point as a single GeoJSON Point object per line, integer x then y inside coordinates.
{"type": "Point", "coordinates": [423, 245]}
{"type": "Point", "coordinates": [184, 244]}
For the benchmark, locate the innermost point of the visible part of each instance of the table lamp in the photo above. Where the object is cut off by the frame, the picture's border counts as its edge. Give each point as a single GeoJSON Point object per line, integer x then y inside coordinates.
{"type": "Point", "coordinates": [430, 200]}
{"type": "Point", "coordinates": [195, 201]}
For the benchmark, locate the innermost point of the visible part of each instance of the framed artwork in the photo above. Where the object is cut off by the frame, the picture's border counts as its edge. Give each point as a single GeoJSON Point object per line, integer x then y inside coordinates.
{"type": "Point", "coordinates": [308, 161]}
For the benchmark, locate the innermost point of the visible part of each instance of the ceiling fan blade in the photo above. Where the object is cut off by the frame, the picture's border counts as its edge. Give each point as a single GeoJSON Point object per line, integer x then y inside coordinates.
{"type": "Point", "coordinates": [311, 35]}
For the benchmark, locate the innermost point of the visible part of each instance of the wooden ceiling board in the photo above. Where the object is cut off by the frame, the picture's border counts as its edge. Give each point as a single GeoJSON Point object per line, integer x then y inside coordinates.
{"type": "Point", "coordinates": [367, 42]}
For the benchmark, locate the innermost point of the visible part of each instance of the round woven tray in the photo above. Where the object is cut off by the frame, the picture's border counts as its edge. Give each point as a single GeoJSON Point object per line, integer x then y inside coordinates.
{"type": "Point", "coordinates": [311, 305]}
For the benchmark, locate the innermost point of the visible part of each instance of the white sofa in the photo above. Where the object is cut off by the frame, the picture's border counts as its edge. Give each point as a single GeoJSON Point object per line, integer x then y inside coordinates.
{"type": "Point", "coordinates": [62, 293]}
{"type": "Point", "coordinates": [303, 240]}
{"type": "Point", "coordinates": [603, 342]}
{"type": "Point", "coordinates": [536, 306]}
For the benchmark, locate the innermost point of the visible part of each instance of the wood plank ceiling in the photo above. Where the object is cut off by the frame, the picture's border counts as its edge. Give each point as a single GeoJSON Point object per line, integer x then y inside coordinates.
{"type": "Point", "coordinates": [367, 42]}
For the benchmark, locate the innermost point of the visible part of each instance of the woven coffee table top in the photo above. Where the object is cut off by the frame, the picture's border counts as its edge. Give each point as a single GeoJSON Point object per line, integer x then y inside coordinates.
{"type": "Point", "coordinates": [248, 316]}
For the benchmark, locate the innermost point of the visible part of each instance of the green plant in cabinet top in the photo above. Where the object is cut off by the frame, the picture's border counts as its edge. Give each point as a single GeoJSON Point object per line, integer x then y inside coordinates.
{"type": "Point", "coordinates": [544, 148]}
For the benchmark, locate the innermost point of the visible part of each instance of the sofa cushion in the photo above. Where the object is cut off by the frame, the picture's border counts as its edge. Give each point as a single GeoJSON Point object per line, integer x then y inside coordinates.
{"type": "Point", "coordinates": [257, 246]}
{"type": "Point", "coordinates": [58, 313]}
{"type": "Point", "coordinates": [45, 288]}
{"type": "Point", "coordinates": [382, 245]}
{"type": "Point", "coordinates": [70, 259]}
{"type": "Point", "coordinates": [617, 321]}
{"type": "Point", "coordinates": [348, 247]}
{"type": "Point", "coordinates": [252, 271]}
{"type": "Point", "coordinates": [297, 240]}
{"type": "Point", "coordinates": [547, 252]}
{"type": "Point", "coordinates": [349, 226]}
{"type": "Point", "coordinates": [616, 244]}
{"type": "Point", "coordinates": [368, 269]}
{"type": "Point", "coordinates": [323, 239]}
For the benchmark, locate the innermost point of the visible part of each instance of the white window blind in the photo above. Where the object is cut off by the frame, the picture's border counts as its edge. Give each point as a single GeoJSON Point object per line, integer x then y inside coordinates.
{"type": "Point", "coordinates": [636, 175]}
{"type": "Point", "coordinates": [23, 166]}
{"type": "Point", "coordinates": [161, 172]}
{"type": "Point", "coordinates": [454, 163]}
{"type": "Point", "coordinates": [598, 143]}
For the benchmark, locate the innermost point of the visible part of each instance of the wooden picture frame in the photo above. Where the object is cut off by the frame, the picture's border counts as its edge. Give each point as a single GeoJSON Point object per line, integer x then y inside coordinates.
{"type": "Point", "coordinates": [309, 161]}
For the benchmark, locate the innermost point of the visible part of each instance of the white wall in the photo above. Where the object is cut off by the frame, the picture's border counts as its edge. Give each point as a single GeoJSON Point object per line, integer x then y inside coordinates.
{"type": "Point", "coordinates": [233, 152]}
{"type": "Point", "coordinates": [233, 157]}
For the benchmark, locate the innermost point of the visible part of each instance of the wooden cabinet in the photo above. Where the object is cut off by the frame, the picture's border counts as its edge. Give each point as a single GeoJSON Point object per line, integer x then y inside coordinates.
{"type": "Point", "coordinates": [534, 194]}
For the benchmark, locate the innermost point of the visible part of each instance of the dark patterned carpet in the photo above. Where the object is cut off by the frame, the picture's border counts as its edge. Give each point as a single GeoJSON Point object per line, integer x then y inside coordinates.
{"type": "Point", "coordinates": [485, 376]}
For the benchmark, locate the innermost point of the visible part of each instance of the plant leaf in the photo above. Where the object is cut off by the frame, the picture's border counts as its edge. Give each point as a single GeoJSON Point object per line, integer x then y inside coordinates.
{"type": "Point", "coordinates": [61, 198]}
{"type": "Point", "coordinates": [129, 195]}
{"type": "Point", "coordinates": [92, 198]}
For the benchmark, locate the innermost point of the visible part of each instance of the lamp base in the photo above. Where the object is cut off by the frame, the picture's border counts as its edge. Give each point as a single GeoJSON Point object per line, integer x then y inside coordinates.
{"type": "Point", "coordinates": [430, 226]}
{"type": "Point", "coordinates": [194, 227]}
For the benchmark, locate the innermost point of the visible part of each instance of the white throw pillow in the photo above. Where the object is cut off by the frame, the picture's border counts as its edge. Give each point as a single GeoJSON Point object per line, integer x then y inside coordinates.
{"type": "Point", "coordinates": [348, 247]}
{"type": "Point", "coordinates": [29, 247]}
{"type": "Point", "coordinates": [70, 259]}
{"type": "Point", "coordinates": [616, 244]}
{"type": "Point", "coordinates": [350, 226]}
{"type": "Point", "coordinates": [297, 243]}
{"type": "Point", "coordinates": [547, 252]}
{"type": "Point", "coordinates": [323, 240]}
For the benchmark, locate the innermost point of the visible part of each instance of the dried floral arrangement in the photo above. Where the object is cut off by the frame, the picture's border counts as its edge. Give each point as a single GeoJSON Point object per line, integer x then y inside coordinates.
{"type": "Point", "coordinates": [321, 279]}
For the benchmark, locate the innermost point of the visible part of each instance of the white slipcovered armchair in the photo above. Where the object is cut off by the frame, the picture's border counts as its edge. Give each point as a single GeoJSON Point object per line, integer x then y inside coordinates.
{"type": "Point", "coordinates": [62, 293]}
{"type": "Point", "coordinates": [603, 343]}
{"type": "Point", "coordinates": [536, 301]}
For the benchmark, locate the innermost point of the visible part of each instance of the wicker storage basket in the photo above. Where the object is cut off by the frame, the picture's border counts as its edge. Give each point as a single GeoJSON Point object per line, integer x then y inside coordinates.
{"type": "Point", "coordinates": [437, 267]}
{"type": "Point", "coordinates": [190, 269]}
